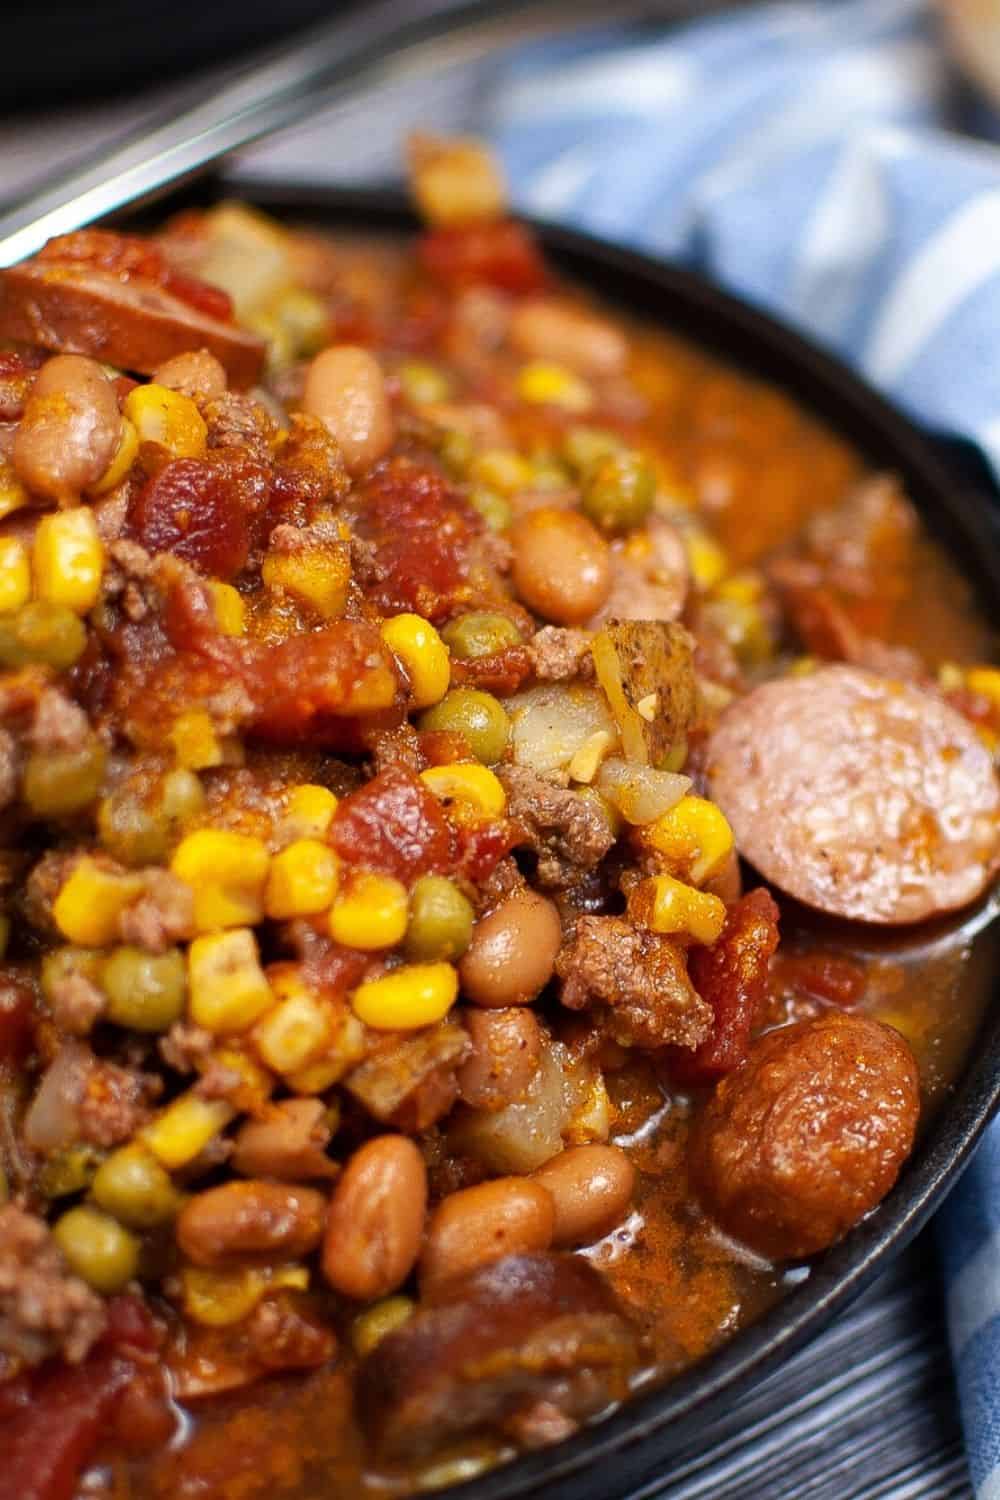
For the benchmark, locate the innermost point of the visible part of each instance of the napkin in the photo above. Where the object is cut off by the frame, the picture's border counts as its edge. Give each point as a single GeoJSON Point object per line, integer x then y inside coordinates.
{"type": "Point", "coordinates": [801, 155]}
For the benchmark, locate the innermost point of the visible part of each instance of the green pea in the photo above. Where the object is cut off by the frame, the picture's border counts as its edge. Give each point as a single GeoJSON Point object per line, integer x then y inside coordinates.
{"type": "Point", "coordinates": [132, 1186]}
{"type": "Point", "coordinates": [145, 990]}
{"type": "Point", "coordinates": [131, 831]}
{"type": "Point", "coordinates": [59, 782]}
{"type": "Point", "coordinates": [43, 634]}
{"type": "Point", "coordinates": [618, 492]}
{"type": "Point", "coordinates": [583, 447]}
{"type": "Point", "coordinates": [478, 716]}
{"type": "Point", "coordinates": [502, 469]}
{"type": "Point", "coordinates": [69, 1171]}
{"type": "Point", "coordinates": [456, 451]}
{"type": "Point", "coordinates": [97, 1248]}
{"type": "Point", "coordinates": [441, 920]}
{"type": "Point", "coordinates": [423, 382]}
{"type": "Point", "coordinates": [494, 509]}
{"type": "Point", "coordinates": [479, 634]}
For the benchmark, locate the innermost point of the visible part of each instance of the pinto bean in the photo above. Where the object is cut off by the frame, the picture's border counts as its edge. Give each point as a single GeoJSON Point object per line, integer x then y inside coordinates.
{"type": "Point", "coordinates": [70, 429]}
{"type": "Point", "coordinates": [545, 328]}
{"type": "Point", "coordinates": [345, 389]}
{"type": "Point", "coordinates": [591, 1188]}
{"type": "Point", "coordinates": [376, 1219]}
{"type": "Point", "coordinates": [506, 1050]}
{"type": "Point", "coordinates": [562, 565]}
{"type": "Point", "coordinates": [197, 374]}
{"type": "Point", "coordinates": [513, 952]}
{"type": "Point", "coordinates": [242, 1220]}
{"type": "Point", "coordinates": [510, 1216]}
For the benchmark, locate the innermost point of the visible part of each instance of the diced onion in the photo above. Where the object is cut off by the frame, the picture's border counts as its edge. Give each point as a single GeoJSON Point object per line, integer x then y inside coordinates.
{"type": "Point", "coordinates": [52, 1120]}
{"type": "Point", "coordinates": [640, 793]}
{"type": "Point", "coordinates": [551, 722]}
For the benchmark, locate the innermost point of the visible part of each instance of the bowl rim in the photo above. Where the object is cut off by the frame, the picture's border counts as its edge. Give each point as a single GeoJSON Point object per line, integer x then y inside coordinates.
{"type": "Point", "coordinates": [656, 1421]}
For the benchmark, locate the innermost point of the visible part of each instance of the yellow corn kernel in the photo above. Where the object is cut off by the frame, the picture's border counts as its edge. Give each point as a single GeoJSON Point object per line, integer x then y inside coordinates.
{"type": "Point", "coordinates": [227, 872]}
{"type": "Point", "coordinates": [502, 469]}
{"type": "Point", "coordinates": [693, 836]}
{"type": "Point", "coordinates": [370, 912]}
{"type": "Point", "coordinates": [299, 1029]}
{"type": "Point", "coordinates": [951, 678]}
{"type": "Point", "coordinates": [87, 908]}
{"type": "Point", "coordinates": [424, 656]}
{"type": "Point", "coordinates": [667, 905]}
{"type": "Point", "coordinates": [803, 666]}
{"type": "Point", "coordinates": [68, 559]}
{"type": "Point", "coordinates": [741, 588]}
{"type": "Point", "coordinates": [181, 1132]}
{"type": "Point", "coordinates": [985, 681]}
{"type": "Point", "coordinates": [544, 383]}
{"type": "Point", "coordinates": [229, 609]}
{"type": "Point", "coordinates": [317, 576]}
{"type": "Point", "coordinates": [305, 320]}
{"type": "Point", "coordinates": [255, 1084]}
{"type": "Point", "coordinates": [227, 988]}
{"type": "Point", "coordinates": [309, 811]}
{"type": "Point", "coordinates": [413, 996]}
{"type": "Point", "coordinates": [345, 1048]}
{"type": "Point", "coordinates": [473, 789]}
{"type": "Point", "coordinates": [125, 456]}
{"type": "Point", "coordinates": [706, 559]}
{"type": "Point", "coordinates": [15, 575]}
{"type": "Point", "coordinates": [302, 880]}
{"type": "Point", "coordinates": [13, 495]}
{"type": "Point", "coordinates": [167, 420]}
{"type": "Point", "coordinates": [217, 1298]}
{"type": "Point", "coordinates": [371, 1326]}
{"type": "Point", "coordinates": [195, 743]}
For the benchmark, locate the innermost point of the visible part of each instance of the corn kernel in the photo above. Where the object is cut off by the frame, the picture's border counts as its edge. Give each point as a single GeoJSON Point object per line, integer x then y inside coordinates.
{"type": "Point", "coordinates": [125, 456]}
{"type": "Point", "coordinates": [371, 1326]}
{"type": "Point", "coordinates": [424, 656]}
{"type": "Point", "coordinates": [302, 880]}
{"type": "Point", "coordinates": [227, 872]}
{"type": "Point", "coordinates": [984, 681]}
{"type": "Point", "coordinates": [182, 1131]}
{"type": "Point", "coordinates": [298, 1031]}
{"type": "Point", "coordinates": [502, 469]}
{"type": "Point", "coordinates": [255, 1084]}
{"type": "Point", "coordinates": [693, 836]}
{"type": "Point", "coordinates": [195, 743]}
{"type": "Point", "coordinates": [309, 811]}
{"type": "Point", "coordinates": [167, 420]}
{"type": "Point", "coordinates": [227, 988]}
{"type": "Point", "coordinates": [229, 609]}
{"type": "Point", "coordinates": [473, 789]}
{"type": "Point", "coordinates": [88, 906]}
{"type": "Point", "coordinates": [951, 678]}
{"type": "Point", "coordinates": [706, 559]}
{"type": "Point", "coordinates": [68, 559]}
{"type": "Point", "coordinates": [317, 576]}
{"type": "Point", "coordinates": [217, 1298]}
{"type": "Point", "coordinates": [15, 575]}
{"type": "Point", "coordinates": [304, 318]}
{"type": "Point", "coordinates": [669, 906]}
{"type": "Point", "coordinates": [370, 912]}
{"type": "Point", "coordinates": [13, 495]}
{"type": "Point", "coordinates": [741, 588]}
{"type": "Point", "coordinates": [346, 1047]}
{"type": "Point", "coordinates": [543, 383]}
{"type": "Point", "coordinates": [413, 996]}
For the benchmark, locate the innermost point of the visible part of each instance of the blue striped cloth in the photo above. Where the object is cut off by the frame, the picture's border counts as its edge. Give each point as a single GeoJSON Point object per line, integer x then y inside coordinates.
{"type": "Point", "coordinates": [796, 152]}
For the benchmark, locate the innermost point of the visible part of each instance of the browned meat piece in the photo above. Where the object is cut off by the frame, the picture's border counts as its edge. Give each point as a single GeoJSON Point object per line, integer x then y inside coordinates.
{"type": "Point", "coordinates": [163, 914]}
{"type": "Point", "coordinates": [396, 747]}
{"type": "Point", "coordinates": [43, 1309]}
{"type": "Point", "coordinates": [559, 654]}
{"type": "Point", "coordinates": [640, 975]}
{"type": "Point", "coordinates": [861, 796]}
{"type": "Point", "coordinates": [76, 1003]}
{"type": "Point", "coordinates": [9, 768]}
{"type": "Point", "coordinates": [569, 832]}
{"type": "Point", "coordinates": [185, 1046]}
{"type": "Point", "coordinates": [489, 1347]}
{"type": "Point", "coordinates": [236, 421]}
{"type": "Point", "coordinates": [115, 1103]}
{"type": "Point", "coordinates": [135, 325]}
{"type": "Point", "coordinates": [60, 724]}
{"type": "Point", "coordinates": [798, 1144]}
{"type": "Point", "coordinates": [410, 1081]}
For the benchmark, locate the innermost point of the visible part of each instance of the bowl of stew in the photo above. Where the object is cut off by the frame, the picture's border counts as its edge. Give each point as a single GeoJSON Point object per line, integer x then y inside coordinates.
{"type": "Point", "coordinates": [500, 817]}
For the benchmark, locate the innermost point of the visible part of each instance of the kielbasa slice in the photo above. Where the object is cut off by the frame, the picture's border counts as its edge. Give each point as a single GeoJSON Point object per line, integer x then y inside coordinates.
{"type": "Point", "coordinates": [808, 1134]}
{"type": "Point", "coordinates": [862, 796]}
{"type": "Point", "coordinates": [133, 324]}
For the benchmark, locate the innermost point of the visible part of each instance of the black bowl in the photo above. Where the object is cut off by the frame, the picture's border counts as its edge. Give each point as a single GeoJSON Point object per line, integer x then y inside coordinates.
{"type": "Point", "coordinates": [611, 1458]}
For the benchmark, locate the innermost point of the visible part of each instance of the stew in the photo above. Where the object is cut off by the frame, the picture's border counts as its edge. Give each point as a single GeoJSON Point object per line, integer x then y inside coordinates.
{"type": "Point", "coordinates": [495, 807]}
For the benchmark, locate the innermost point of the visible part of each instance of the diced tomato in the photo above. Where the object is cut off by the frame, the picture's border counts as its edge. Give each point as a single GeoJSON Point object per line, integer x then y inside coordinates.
{"type": "Point", "coordinates": [503, 254]}
{"type": "Point", "coordinates": [421, 533]}
{"type": "Point", "coordinates": [732, 977]}
{"type": "Point", "coordinates": [822, 976]}
{"type": "Point", "coordinates": [394, 824]}
{"type": "Point", "coordinates": [314, 686]}
{"type": "Point", "coordinates": [46, 1444]}
{"type": "Point", "coordinates": [482, 846]}
{"type": "Point", "coordinates": [501, 672]}
{"type": "Point", "coordinates": [201, 511]}
{"type": "Point", "coordinates": [16, 1011]}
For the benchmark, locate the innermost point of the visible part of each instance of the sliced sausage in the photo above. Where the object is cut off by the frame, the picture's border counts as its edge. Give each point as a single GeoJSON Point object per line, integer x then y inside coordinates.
{"type": "Point", "coordinates": [862, 796]}
{"type": "Point", "coordinates": [808, 1135]}
{"type": "Point", "coordinates": [491, 1346]}
{"type": "Point", "coordinates": [134, 325]}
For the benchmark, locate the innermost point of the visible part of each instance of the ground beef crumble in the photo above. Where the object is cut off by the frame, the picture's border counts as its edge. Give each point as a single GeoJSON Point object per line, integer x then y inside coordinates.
{"type": "Point", "coordinates": [44, 1309]}
{"type": "Point", "coordinates": [115, 1105]}
{"type": "Point", "coordinates": [569, 833]}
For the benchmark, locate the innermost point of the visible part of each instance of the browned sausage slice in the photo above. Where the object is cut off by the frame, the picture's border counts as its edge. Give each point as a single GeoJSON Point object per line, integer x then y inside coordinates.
{"type": "Point", "coordinates": [808, 1134]}
{"type": "Point", "coordinates": [132, 324]}
{"type": "Point", "coordinates": [865, 797]}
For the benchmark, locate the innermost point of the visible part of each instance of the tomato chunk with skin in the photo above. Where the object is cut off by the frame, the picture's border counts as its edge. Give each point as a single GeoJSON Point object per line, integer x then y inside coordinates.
{"type": "Point", "coordinates": [393, 824]}
{"type": "Point", "coordinates": [303, 685]}
{"type": "Point", "coordinates": [201, 512]}
{"type": "Point", "coordinates": [732, 977]}
{"type": "Point", "coordinates": [503, 254]}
